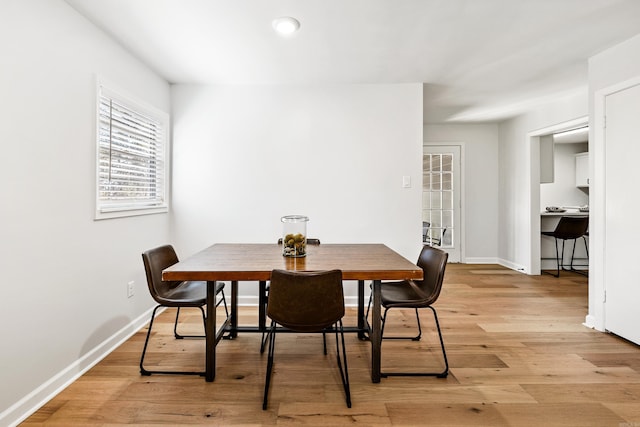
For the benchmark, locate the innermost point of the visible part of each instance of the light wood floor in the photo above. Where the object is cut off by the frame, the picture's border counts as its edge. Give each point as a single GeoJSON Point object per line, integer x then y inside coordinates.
{"type": "Point", "coordinates": [518, 351]}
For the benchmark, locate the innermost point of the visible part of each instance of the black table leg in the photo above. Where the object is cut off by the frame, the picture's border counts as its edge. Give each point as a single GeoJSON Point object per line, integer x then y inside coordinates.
{"type": "Point", "coordinates": [210, 325]}
{"type": "Point", "coordinates": [361, 320]}
{"type": "Point", "coordinates": [262, 306]}
{"type": "Point", "coordinates": [375, 333]}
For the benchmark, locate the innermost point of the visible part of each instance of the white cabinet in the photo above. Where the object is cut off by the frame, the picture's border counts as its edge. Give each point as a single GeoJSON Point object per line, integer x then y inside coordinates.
{"type": "Point", "coordinates": [582, 170]}
{"type": "Point", "coordinates": [547, 151]}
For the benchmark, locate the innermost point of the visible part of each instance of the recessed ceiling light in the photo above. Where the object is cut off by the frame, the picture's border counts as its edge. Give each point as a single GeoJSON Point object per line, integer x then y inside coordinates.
{"type": "Point", "coordinates": [286, 25]}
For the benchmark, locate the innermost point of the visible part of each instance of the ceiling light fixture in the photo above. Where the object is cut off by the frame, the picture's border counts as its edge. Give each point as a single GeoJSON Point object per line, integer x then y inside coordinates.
{"type": "Point", "coordinates": [584, 129]}
{"type": "Point", "coordinates": [286, 25]}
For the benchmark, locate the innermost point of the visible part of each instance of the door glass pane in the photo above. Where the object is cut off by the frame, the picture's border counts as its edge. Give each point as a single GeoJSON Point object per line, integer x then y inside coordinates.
{"type": "Point", "coordinates": [447, 200]}
{"type": "Point", "coordinates": [436, 162]}
{"type": "Point", "coordinates": [447, 219]}
{"type": "Point", "coordinates": [436, 201]}
{"type": "Point", "coordinates": [426, 181]}
{"type": "Point", "coordinates": [426, 204]}
{"type": "Point", "coordinates": [447, 238]}
{"type": "Point", "coordinates": [447, 181]}
{"type": "Point", "coordinates": [447, 162]}
{"type": "Point", "coordinates": [436, 182]}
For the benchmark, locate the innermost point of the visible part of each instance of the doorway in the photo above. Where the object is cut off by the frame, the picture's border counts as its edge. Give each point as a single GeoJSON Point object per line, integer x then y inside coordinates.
{"type": "Point", "coordinates": [539, 174]}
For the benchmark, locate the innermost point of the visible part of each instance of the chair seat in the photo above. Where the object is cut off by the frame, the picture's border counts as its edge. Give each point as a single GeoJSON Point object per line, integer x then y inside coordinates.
{"type": "Point", "coordinates": [403, 295]}
{"type": "Point", "coordinates": [188, 294]}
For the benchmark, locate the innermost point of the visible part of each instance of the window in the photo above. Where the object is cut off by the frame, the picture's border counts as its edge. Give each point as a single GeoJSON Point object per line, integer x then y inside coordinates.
{"type": "Point", "coordinates": [131, 163]}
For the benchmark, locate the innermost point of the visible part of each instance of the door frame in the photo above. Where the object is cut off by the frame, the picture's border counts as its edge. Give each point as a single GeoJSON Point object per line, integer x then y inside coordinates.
{"type": "Point", "coordinates": [460, 234]}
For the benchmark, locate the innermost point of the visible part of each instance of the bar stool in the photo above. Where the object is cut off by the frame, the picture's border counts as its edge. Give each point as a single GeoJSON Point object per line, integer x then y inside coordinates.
{"type": "Point", "coordinates": [569, 228]}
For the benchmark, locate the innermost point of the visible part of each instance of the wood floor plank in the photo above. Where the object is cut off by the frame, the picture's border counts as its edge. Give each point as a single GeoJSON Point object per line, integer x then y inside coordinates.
{"type": "Point", "coordinates": [519, 355]}
{"type": "Point", "coordinates": [560, 415]}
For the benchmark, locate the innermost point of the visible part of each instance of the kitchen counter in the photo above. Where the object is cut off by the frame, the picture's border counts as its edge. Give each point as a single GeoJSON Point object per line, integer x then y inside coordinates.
{"type": "Point", "coordinates": [568, 212]}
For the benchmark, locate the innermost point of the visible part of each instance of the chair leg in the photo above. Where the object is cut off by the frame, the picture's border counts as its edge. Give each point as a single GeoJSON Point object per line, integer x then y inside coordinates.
{"type": "Point", "coordinates": [558, 261]}
{"type": "Point", "coordinates": [223, 300]}
{"type": "Point", "coordinates": [573, 252]}
{"type": "Point", "coordinates": [146, 372]}
{"type": "Point", "coordinates": [442, 374]}
{"type": "Point", "coordinates": [324, 342]}
{"type": "Point", "coordinates": [272, 339]}
{"type": "Point", "coordinates": [586, 246]}
{"type": "Point", "coordinates": [344, 372]}
{"type": "Point", "coordinates": [416, 338]}
{"type": "Point", "coordinates": [264, 341]}
{"type": "Point", "coordinates": [146, 342]}
{"type": "Point", "coordinates": [175, 326]}
{"type": "Point", "coordinates": [384, 318]}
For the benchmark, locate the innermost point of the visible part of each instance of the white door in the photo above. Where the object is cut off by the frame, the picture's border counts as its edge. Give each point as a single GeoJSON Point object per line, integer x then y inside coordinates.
{"type": "Point", "coordinates": [622, 234]}
{"type": "Point", "coordinates": [441, 198]}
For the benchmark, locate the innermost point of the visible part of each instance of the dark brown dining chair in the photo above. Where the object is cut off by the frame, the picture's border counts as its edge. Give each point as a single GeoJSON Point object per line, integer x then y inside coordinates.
{"type": "Point", "coordinates": [569, 228]}
{"type": "Point", "coordinates": [416, 294]}
{"type": "Point", "coordinates": [264, 295]}
{"type": "Point", "coordinates": [307, 302]}
{"type": "Point", "coordinates": [178, 294]}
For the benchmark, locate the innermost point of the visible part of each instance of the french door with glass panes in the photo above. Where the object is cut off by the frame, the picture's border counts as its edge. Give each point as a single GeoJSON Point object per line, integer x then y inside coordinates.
{"type": "Point", "coordinates": [441, 198]}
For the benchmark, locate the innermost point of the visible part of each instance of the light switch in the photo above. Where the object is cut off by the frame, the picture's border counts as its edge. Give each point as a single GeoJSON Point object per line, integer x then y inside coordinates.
{"type": "Point", "coordinates": [406, 181]}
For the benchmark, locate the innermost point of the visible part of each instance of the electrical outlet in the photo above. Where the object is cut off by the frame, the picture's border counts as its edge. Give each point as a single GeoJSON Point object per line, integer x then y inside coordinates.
{"type": "Point", "coordinates": [130, 289]}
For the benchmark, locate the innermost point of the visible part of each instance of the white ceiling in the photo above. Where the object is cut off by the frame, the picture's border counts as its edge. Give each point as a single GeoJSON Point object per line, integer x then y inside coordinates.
{"type": "Point", "coordinates": [479, 60]}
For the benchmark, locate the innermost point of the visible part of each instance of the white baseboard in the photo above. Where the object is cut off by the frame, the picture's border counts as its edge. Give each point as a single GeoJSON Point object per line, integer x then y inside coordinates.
{"type": "Point", "coordinates": [33, 401]}
{"type": "Point", "coordinates": [592, 322]}
{"type": "Point", "coordinates": [502, 262]}
{"type": "Point", "coordinates": [513, 266]}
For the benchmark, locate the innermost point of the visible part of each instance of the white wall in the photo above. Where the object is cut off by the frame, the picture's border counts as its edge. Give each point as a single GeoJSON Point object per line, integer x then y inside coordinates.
{"type": "Point", "coordinates": [64, 275]}
{"type": "Point", "coordinates": [563, 191]}
{"type": "Point", "coordinates": [607, 70]}
{"type": "Point", "coordinates": [515, 183]}
{"type": "Point", "coordinates": [480, 203]}
{"type": "Point", "coordinates": [246, 155]}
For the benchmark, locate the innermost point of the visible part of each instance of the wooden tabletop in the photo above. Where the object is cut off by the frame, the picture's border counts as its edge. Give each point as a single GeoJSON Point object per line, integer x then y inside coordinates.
{"type": "Point", "coordinates": [244, 262]}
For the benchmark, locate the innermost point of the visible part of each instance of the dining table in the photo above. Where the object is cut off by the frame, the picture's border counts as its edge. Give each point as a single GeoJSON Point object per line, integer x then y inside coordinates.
{"type": "Point", "coordinates": [250, 262]}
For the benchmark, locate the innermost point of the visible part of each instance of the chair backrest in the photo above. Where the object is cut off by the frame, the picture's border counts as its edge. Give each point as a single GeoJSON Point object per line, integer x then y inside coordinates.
{"type": "Point", "coordinates": [433, 262]}
{"type": "Point", "coordinates": [306, 301]}
{"type": "Point", "coordinates": [309, 241]}
{"type": "Point", "coordinates": [571, 227]}
{"type": "Point", "coordinates": [155, 260]}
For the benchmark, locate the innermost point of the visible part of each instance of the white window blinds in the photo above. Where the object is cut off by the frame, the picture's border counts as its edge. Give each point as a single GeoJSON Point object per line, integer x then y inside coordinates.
{"type": "Point", "coordinates": [131, 164]}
